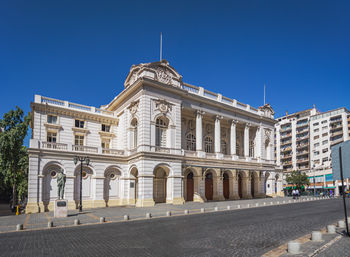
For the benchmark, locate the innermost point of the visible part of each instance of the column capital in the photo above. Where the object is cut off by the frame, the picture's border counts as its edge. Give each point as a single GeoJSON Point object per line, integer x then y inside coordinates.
{"type": "Point", "coordinates": [234, 122]}
{"type": "Point", "coordinates": [199, 113]}
{"type": "Point", "coordinates": [218, 117]}
{"type": "Point", "coordinates": [248, 125]}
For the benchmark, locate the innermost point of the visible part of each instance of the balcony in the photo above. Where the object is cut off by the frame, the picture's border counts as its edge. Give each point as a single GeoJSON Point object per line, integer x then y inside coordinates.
{"type": "Point", "coordinates": [302, 160]}
{"type": "Point", "coordinates": [335, 120]}
{"type": "Point", "coordinates": [286, 142]}
{"type": "Point", "coordinates": [286, 157]}
{"type": "Point", "coordinates": [54, 146]}
{"type": "Point", "coordinates": [286, 149]}
{"type": "Point", "coordinates": [112, 151]}
{"type": "Point", "coordinates": [304, 124]}
{"type": "Point", "coordinates": [84, 148]}
{"type": "Point", "coordinates": [302, 152]}
{"type": "Point", "coordinates": [286, 135]}
{"type": "Point", "coordinates": [287, 163]}
{"type": "Point", "coordinates": [336, 133]}
{"type": "Point", "coordinates": [336, 141]}
{"type": "Point", "coordinates": [299, 131]}
{"type": "Point", "coordinates": [286, 128]}
{"type": "Point", "coordinates": [302, 138]}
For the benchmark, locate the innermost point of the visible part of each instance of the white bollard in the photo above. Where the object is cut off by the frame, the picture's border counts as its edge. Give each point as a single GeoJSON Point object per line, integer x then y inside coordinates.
{"type": "Point", "coordinates": [264, 203]}
{"type": "Point", "coordinates": [331, 229]}
{"type": "Point", "coordinates": [228, 207]}
{"type": "Point", "coordinates": [202, 210]}
{"type": "Point", "coordinates": [289, 201]}
{"type": "Point", "coordinates": [348, 220]}
{"type": "Point", "coordinates": [316, 236]}
{"type": "Point", "coordinates": [284, 201]}
{"type": "Point", "coordinates": [341, 224]}
{"type": "Point", "coordinates": [50, 224]}
{"type": "Point", "coordinates": [271, 203]}
{"type": "Point", "coordinates": [19, 227]}
{"type": "Point", "coordinates": [186, 212]}
{"type": "Point", "coordinates": [293, 247]}
{"type": "Point", "coordinates": [102, 219]}
{"type": "Point", "coordinates": [168, 213]}
{"type": "Point", "coordinates": [216, 208]}
{"type": "Point", "coordinates": [238, 206]}
{"type": "Point", "coordinates": [148, 215]}
{"type": "Point", "coordinates": [126, 217]}
{"type": "Point", "coordinates": [248, 205]}
{"type": "Point", "coordinates": [257, 205]}
{"type": "Point", "coordinates": [76, 222]}
{"type": "Point", "coordinates": [295, 200]}
{"type": "Point", "coordinates": [278, 202]}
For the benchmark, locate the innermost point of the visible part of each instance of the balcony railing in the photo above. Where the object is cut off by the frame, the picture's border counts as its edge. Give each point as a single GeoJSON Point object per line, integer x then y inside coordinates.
{"type": "Point", "coordinates": [160, 149]}
{"type": "Point", "coordinates": [84, 148]}
{"type": "Point", "coordinates": [190, 153]}
{"type": "Point", "coordinates": [112, 151]}
{"type": "Point", "coordinates": [55, 146]}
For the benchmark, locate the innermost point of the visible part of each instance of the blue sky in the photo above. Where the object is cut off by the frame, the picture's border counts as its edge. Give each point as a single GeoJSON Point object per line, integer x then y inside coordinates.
{"type": "Point", "coordinates": [81, 51]}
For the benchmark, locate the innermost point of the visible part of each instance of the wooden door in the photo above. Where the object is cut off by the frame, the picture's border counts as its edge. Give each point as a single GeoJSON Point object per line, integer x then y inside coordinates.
{"type": "Point", "coordinates": [252, 185]}
{"type": "Point", "coordinates": [209, 186]}
{"type": "Point", "coordinates": [239, 185]}
{"type": "Point", "coordinates": [226, 185]}
{"type": "Point", "coordinates": [190, 187]}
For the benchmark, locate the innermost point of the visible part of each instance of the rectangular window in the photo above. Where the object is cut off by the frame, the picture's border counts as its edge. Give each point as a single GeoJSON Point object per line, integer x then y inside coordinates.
{"type": "Point", "coordinates": [79, 140]}
{"type": "Point", "coordinates": [105, 128]}
{"type": "Point", "coordinates": [316, 137]}
{"type": "Point", "coordinates": [51, 119]}
{"type": "Point", "coordinates": [325, 150]}
{"type": "Point", "coordinates": [325, 159]}
{"type": "Point", "coordinates": [317, 153]}
{"type": "Point", "coordinates": [324, 121]}
{"type": "Point", "coordinates": [105, 144]}
{"type": "Point", "coordinates": [315, 124]}
{"type": "Point", "coordinates": [316, 145]}
{"type": "Point", "coordinates": [316, 130]}
{"type": "Point", "coordinates": [324, 142]}
{"type": "Point", "coordinates": [51, 137]}
{"type": "Point", "coordinates": [79, 123]}
{"type": "Point", "coordinates": [324, 128]}
{"type": "Point", "coordinates": [325, 134]}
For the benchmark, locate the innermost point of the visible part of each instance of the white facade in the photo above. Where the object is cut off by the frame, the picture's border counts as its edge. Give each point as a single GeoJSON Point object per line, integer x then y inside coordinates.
{"type": "Point", "coordinates": [159, 140]}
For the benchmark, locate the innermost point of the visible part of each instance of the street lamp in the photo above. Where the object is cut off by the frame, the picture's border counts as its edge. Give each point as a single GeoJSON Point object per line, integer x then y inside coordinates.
{"type": "Point", "coordinates": [313, 167]}
{"type": "Point", "coordinates": [81, 160]}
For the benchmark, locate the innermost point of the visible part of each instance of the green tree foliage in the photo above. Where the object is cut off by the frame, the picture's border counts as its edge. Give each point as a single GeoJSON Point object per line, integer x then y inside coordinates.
{"type": "Point", "coordinates": [298, 179]}
{"type": "Point", "coordinates": [13, 155]}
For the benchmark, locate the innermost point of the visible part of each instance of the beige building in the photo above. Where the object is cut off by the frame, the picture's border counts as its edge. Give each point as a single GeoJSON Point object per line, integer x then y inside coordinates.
{"type": "Point", "coordinates": [159, 140]}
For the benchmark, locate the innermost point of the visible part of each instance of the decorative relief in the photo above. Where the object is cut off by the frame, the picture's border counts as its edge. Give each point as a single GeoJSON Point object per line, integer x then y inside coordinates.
{"type": "Point", "coordinates": [163, 106]}
{"type": "Point", "coordinates": [267, 135]}
{"type": "Point", "coordinates": [133, 107]}
{"type": "Point", "coordinates": [163, 75]}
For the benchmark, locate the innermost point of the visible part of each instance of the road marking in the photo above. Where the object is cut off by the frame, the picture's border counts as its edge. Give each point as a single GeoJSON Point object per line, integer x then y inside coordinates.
{"type": "Point", "coordinates": [92, 216]}
{"type": "Point", "coordinates": [321, 249]}
{"type": "Point", "coordinates": [26, 220]}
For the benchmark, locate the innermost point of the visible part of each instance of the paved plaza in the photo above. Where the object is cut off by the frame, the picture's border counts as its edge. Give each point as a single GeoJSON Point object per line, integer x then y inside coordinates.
{"type": "Point", "coordinates": [238, 232]}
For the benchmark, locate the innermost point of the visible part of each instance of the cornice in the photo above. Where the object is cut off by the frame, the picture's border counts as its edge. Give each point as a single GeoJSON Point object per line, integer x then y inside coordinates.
{"type": "Point", "coordinates": [74, 113]}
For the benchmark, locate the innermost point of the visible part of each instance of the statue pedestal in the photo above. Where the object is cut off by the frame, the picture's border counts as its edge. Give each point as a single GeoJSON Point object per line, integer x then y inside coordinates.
{"type": "Point", "coordinates": [61, 209]}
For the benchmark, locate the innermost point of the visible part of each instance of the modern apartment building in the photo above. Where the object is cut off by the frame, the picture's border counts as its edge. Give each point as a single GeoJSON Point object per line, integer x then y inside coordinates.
{"type": "Point", "coordinates": [304, 140]}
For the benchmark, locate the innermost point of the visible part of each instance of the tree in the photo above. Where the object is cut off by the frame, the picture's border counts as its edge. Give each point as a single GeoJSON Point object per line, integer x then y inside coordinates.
{"type": "Point", "coordinates": [13, 155]}
{"type": "Point", "coordinates": [298, 179]}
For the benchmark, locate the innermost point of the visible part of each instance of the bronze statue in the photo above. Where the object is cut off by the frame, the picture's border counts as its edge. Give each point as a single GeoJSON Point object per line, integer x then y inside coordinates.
{"type": "Point", "coordinates": [61, 182]}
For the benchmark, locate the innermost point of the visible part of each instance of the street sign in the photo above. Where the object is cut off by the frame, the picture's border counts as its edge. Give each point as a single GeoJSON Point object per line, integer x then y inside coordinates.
{"type": "Point", "coordinates": [345, 149]}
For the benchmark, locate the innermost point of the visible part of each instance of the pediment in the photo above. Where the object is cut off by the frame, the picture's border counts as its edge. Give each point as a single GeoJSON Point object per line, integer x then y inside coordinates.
{"type": "Point", "coordinates": [158, 71]}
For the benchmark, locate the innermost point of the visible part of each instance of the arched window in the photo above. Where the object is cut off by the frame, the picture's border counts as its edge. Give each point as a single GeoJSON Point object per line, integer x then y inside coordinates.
{"type": "Point", "coordinates": [161, 131]}
{"type": "Point", "coordinates": [191, 142]}
{"type": "Point", "coordinates": [223, 147]}
{"type": "Point", "coordinates": [238, 149]}
{"type": "Point", "coordinates": [208, 144]}
{"type": "Point", "coordinates": [134, 132]}
{"type": "Point", "coordinates": [251, 148]}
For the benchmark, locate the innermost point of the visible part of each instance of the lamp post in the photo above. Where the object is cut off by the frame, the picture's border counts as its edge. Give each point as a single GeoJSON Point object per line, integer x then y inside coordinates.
{"type": "Point", "coordinates": [313, 167]}
{"type": "Point", "coordinates": [81, 160]}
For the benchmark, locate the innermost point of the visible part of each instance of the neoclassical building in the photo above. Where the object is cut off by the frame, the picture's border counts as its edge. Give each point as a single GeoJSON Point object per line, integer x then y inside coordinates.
{"type": "Point", "coordinates": [159, 141]}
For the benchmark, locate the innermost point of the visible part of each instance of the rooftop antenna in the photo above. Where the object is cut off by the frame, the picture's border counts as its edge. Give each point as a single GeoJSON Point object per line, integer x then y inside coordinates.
{"type": "Point", "coordinates": [161, 43]}
{"type": "Point", "coordinates": [264, 93]}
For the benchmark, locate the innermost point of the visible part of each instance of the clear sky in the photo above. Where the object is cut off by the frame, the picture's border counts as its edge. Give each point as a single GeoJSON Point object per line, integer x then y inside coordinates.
{"type": "Point", "coordinates": [81, 51]}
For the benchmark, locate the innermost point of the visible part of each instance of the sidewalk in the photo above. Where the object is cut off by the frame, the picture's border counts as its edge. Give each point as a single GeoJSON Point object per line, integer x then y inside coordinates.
{"type": "Point", "coordinates": [115, 214]}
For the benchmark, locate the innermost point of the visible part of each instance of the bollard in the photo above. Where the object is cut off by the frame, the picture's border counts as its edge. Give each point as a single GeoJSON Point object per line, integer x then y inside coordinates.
{"type": "Point", "coordinates": [264, 203]}
{"type": "Point", "coordinates": [248, 205]}
{"type": "Point", "coordinates": [271, 203]}
{"type": "Point", "coordinates": [228, 207]}
{"type": "Point", "coordinates": [126, 217]}
{"type": "Point", "coordinates": [19, 227]}
{"type": "Point", "coordinates": [316, 236]}
{"type": "Point", "coordinates": [186, 212]}
{"type": "Point", "coordinates": [284, 201]}
{"type": "Point", "coordinates": [289, 201]}
{"type": "Point", "coordinates": [293, 247]}
{"type": "Point", "coordinates": [50, 224]}
{"type": "Point", "coordinates": [295, 200]}
{"type": "Point", "coordinates": [216, 208]}
{"type": "Point", "coordinates": [148, 215]}
{"type": "Point", "coordinates": [341, 224]}
{"type": "Point", "coordinates": [168, 213]}
{"type": "Point", "coordinates": [76, 222]}
{"type": "Point", "coordinates": [331, 229]}
{"type": "Point", "coordinates": [278, 202]}
{"type": "Point", "coordinates": [257, 204]}
{"type": "Point", "coordinates": [202, 210]}
{"type": "Point", "coordinates": [348, 220]}
{"type": "Point", "coordinates": [102, 219]}
{"type": "Point", "coordinates": [238, 206]}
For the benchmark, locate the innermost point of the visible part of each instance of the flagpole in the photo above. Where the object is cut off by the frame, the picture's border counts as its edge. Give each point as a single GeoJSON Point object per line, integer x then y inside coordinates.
{"type": "Point", "coordinates": [161, 42]}
{"type": "Point", "coordinates": [264, 93]}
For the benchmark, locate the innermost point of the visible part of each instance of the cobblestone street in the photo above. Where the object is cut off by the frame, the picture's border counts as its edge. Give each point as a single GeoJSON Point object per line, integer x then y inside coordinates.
{"type": "Point", "coordinates": [245, 232]}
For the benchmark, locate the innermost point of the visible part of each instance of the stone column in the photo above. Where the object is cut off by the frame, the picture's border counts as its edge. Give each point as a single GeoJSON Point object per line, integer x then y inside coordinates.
{"type": "Point", "coordinates": [197, 196]}
{"type": "Point", "coordinates": [246, 193]}
{"type": "Point", "coordinates": [199, 133]}
{"type": "Point", "coordinates": [218, 193]}
{"type": "Point", "coordinates": [233, 138]}
{"type": "Point", "coordinates": [246, 140]}
{"type": "Point", "coordinates": [145, 194]}
{"type": "Point", "coordinates": [217, 135]}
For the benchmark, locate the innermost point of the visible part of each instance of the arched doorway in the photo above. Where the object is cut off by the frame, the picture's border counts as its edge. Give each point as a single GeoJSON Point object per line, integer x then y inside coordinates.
{"type": "Point", "coordinates": [49, 184]}
{"type": "Point", "coordinates": [159, 185]}
{"type": "Point", "coordinates": [189, 187]}
{"type": "Point", "coordinates": [86, 184]}
{"type": "Point", "coordinates": [239, 182]}
{"type": "Point", "coordinates": [226, 186]}
{"type": "Point", "coordinates": [134, 182]}
{"type": "Point", "coordinates": [111, 184]}
{"type": "Point", "coordinates": [252, 182]}
{"type": "Point", "coordinates": [209, 186]}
